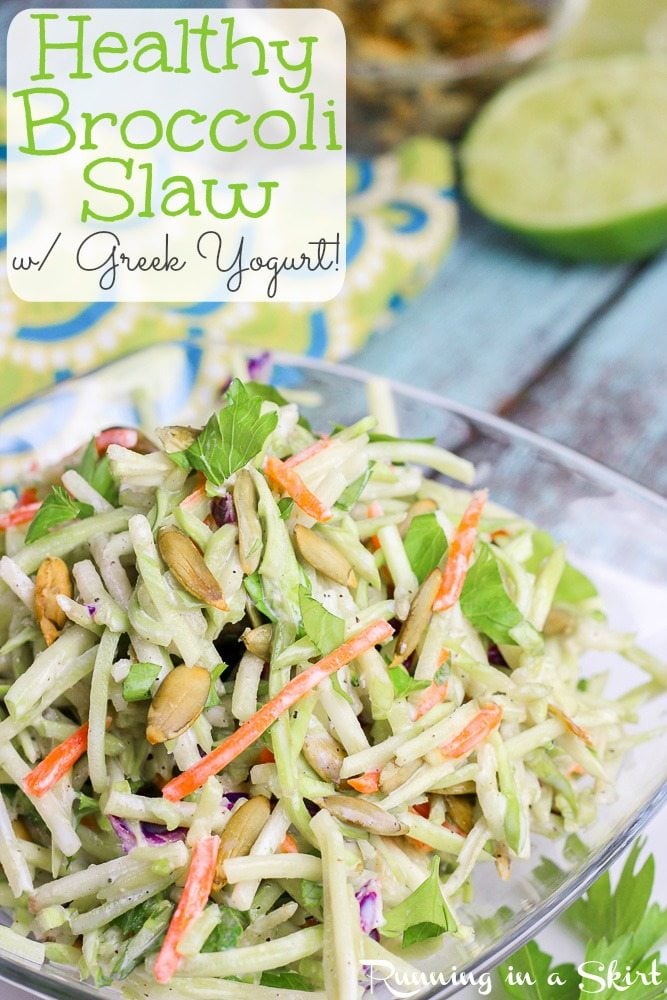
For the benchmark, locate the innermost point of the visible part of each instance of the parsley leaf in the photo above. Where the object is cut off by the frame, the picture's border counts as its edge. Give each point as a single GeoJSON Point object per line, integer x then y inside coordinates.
{"type": "Point", "coordinates": [322, 627]}
{"type": "Point", "coordinates": [227, 932]}
{"type": "Point", "coordinates": [97, 472]}
{"type": "Point", "coordinates": [404, 683]}
{"type": "Point", "coordinates": [130, 923]}
{"type": "Point", "coordinates": [232, 437]}
{"type": "Point", "coordinates": [58, 508]}
{"type": "Point", "coordinates": [285, 979]}
{"type": "Point", "coordinates": [424, 914]}
{"type": "Point", "coordinates": [485, 602]}
{"type": "Point", "coordinates": [528, 975]}
{"type": "Point", "coordinates": [351, 493]}
{"type": "Point", "coordinates": [213, 697]}
{"type": "Point", "coordinates": [285, 507]}
{"type": "Point", "coordinates": [573, 586]}
{"type": "Point", "coordinates": [139, 681]}
{"type": "Point", "coordinates": [255, 590]}
{"type": "Point", "coordinates": [86, 806]}
{"type": "Point", "coordinates": [425, 544]}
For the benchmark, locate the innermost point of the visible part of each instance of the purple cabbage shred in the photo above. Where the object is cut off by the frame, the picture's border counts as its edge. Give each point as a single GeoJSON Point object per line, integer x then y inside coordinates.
{"type": "Point", "coordinates": [123, 831]}
{"type": "Point", "coordinates": [155, 835]}
{"type": "Point", "coordinates": [222, 510]}
{"type": "Point", "coordinates": [370, 907]}
{"type": "Point", "coordinates": [259, 367]}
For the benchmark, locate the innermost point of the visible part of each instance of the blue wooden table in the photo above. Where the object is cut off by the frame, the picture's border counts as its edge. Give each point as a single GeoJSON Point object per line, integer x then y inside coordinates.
{"type": "Point", "coordinates": [578, 353]}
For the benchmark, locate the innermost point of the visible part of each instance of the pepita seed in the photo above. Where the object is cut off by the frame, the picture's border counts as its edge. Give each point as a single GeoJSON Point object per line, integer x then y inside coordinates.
{"type": "Point", "coordinates": [391, 775]}
{"type": "Point", "coordinates": [177, 438]}
{"type": "Point", "coordinates": [415, 509]}
{"type": "Point", "coordinates": [187, 564]}
{"type": "Point", "coordinates": [250, 529]}
{"type": "Point", "coordinates": [461, 810]}
{"type": "Point", "coordinates": [52, 580]}
{"type": "Point", "coordinates": [324, 755]}
{"type": "Point", "coordinates": [258, 641]}
{"type": "Point", "coordinates": [177, 703]}
{"type": "Point", "coordinates": [559, 622]}
{"type": "Point", "coordinates": [324, 557]}
{"type": "Point", "coordinates": [419, 616]}
{"type": "Point", "coordinates": [240, 834]}
{"type": "Point", "coordinates": [364, 814]}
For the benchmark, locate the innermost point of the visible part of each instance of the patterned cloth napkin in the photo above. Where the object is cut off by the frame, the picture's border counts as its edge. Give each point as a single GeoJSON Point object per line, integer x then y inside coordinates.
{"type": "Point", "coordinates": [402, 219]}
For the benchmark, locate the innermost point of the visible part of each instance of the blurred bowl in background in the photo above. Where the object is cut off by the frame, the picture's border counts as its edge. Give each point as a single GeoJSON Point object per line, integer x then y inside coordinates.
{"type": "Point", "coordinates": [425, 68]}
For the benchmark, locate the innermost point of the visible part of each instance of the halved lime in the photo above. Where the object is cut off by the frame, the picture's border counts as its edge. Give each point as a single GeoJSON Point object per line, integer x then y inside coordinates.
{"type": "Point", "coordinates": [574, 158]}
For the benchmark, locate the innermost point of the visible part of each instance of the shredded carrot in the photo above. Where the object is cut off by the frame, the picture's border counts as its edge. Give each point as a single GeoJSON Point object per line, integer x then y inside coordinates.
{"type": "Point", "coordinates": [431, 697]}
{"type": "Point", "coordinates": [20, 514]}
{"type": "Point", "coordinates": [478, 729]}
{"type": "Point", "coordinates": [459, 553]}
{"type": "Point", "coordinates": [294, 690]}
{"type": "Point", "coordinates": [126, 437]}
{"type": "Point", "coordinates": [374, 509]}
{"type": "Point", "coordinates": [198, 493]}
{"type": "Point", "coordinates": [193, 899]}
{"type": "Point", "coordinates": [366, 784]}
{"type": "Point", "coordinates": [419, 845]}
{"type": "Point", "coordinates": [422, 809]}
{"type": "Point", "coordinates": [574, 769]}
{"type": "Point", "coordinates": [570, 725]}
{"type": "Point", "coordinates": [265, 756]}
{"type": "Point", "coordinates": [313, 449]}
{"type": "Point", "coordinates": [284, 478]}
{"type": "Point", "coordinates": [289, 845]}
{"type": "Point", "coordinates": [56, 764]}
{"type": "Point", "coordinates": [500, 533]}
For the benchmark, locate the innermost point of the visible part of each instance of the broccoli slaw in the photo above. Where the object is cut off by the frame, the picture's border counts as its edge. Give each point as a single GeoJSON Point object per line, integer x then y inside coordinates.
{"type": "Point", "coordinates": [269, 697]}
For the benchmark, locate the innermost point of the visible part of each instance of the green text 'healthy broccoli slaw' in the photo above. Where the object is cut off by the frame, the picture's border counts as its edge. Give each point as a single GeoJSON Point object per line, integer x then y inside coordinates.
{"type": "Point", "coordinates": [269, 697]}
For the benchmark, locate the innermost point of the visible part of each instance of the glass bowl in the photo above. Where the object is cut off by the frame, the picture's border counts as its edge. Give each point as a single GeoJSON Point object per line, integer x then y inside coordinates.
{"type": "Point", "coordinates": [615, 530]}
{"type": "Point", "coordinates": [399, 90]}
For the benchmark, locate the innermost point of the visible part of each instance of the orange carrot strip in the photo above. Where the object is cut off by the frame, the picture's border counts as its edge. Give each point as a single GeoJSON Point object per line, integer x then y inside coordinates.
{"type": "Point", "coordinates": [574, 769]}
{"type": "Point", "coordinates": [419, 845]}
{"type": "Point", "coordinates": [431, 697]}
{"type": "Point", "coordinates": [313, 449]}
{"type": "Point", "coordinates": [56, 764]}
{"type": "Point", "coordinates": [127, 437]}
{"type": "Point", "coordinates": [421, 809]}
{"type": "Point", "coordinates": [482, 725]}
{"type": "Point", "coordinates": [289, 845]}
{"type": "Point", "coordinates": [294, 690]}
{"type": "Point", "coordinates": [367, 783]}
{"type": "Point", "coordinates": [20, 514]}
{"type": "Point", "coordinates": [459, 553]}
{"type": "Point", "coordinates": [453, 828]}
{"type": "Point", "coordinates": [570, 725]}
{"type": "Point", "coordinates": [265, 756]}
{"type": "Point", "coordinates": [284, 478]}
{"type": "Point", "coordinates": [193, 899]}
{"type": "Point", "coordinates": [374, 509]}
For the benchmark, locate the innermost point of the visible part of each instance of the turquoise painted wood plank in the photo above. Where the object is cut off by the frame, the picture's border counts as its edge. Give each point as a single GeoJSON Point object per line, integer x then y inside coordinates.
{"type": "Point", "coordinates": [607, 396]}
{"type": "Point", "coordinates": [492, 318]}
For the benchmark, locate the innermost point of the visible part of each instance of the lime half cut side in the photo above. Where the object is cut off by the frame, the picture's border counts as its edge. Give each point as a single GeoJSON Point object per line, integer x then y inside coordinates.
{"type": "Point", "coordinates": [574, 158]}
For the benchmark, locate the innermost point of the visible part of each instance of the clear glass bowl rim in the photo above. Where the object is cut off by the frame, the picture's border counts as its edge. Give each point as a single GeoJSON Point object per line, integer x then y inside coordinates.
{"type": "Point", "coordinates": [43, 985]}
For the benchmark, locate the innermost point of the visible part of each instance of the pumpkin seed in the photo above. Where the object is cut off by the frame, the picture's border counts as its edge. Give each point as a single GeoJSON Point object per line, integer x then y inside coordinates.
{"type": "Point", "coordinates": [364, 814]}
{"type": "Point", "coordinates": [52, 580]}
{"type": "Point", "coordinates": [324, 557]}
{"type": "Point", "coordinates": [324, 755]}
{"type": "Point", "coordinates": [240, 834]}
{"type": "Point", "coordinates": [250, 529]}
{"type": "Point", "coordinates": [177, 703]}
{"type": "Point", "coordinates": [258, 641]}
{"type": "Point", "coordinates": [187, 564]}
{"type": "Point", "coordinates": [419, 616]}
{"type": "Point", "coordinates": [461, 810]}
{"type": "Point", "coordinates": [392, 776]}
{"type": "Point", "coordinates": [415, 509]}
{"type": "Point", "coordinates": [559, 622]}
{"type": "Point", "coordinates": [177, 438]}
